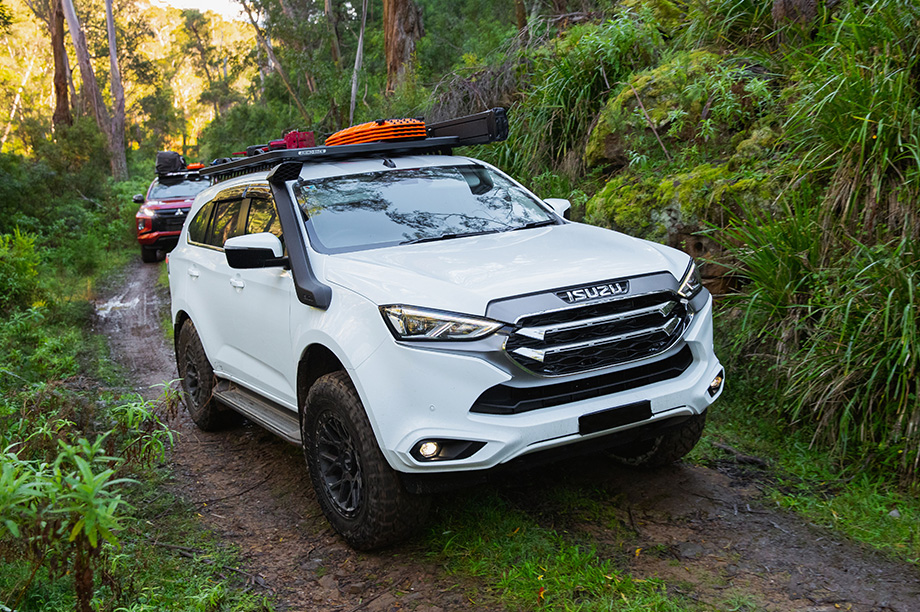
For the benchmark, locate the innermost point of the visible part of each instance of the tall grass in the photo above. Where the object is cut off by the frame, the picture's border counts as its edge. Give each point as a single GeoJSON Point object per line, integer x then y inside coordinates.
{"type": "Point", "coordinates": [837, 320]}
{"type": "Point", "coordinates": [728, 23]}
{"type": "Point", "coordinates": [856, 112]}
{"type": "Point", "coordinates": [569, 79]}
{"type": "Point", "coordinates": [857, 375]}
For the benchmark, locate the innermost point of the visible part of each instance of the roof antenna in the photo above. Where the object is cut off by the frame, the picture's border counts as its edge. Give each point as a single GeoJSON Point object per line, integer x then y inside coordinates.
{"type": "Point", "coordinates": [389, 163]}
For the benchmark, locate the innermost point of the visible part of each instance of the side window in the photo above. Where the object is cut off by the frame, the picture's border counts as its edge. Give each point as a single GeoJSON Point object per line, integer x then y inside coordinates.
{"type": "Point", "coordinates": [226, 223]}
{"type": "Point", "coordinates": [263, 217]}
{"type": "Point", "coordinates": [198, 226]}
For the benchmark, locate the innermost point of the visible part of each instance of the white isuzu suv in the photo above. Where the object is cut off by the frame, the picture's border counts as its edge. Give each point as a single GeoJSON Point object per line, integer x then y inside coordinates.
{"type": "Point", "coordinates": [418, 320]}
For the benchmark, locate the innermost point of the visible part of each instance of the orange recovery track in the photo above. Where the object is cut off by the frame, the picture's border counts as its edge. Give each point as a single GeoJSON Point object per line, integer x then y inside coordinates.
{"type": "Point", "coordinates": [375, 131]}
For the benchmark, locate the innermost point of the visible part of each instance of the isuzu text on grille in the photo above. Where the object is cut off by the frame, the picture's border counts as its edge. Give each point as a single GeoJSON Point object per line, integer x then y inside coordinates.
{"type": "Point", "coordinates": [593, 293]}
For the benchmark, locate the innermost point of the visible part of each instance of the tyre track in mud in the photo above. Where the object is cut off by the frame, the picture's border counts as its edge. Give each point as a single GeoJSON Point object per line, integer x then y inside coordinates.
{"type": "Point", "coordinates": [708, 534]}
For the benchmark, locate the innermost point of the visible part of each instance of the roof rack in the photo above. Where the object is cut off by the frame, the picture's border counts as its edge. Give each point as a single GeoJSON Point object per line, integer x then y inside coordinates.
{"type": "Point", "coordinates": [179, 176]}
{"type": "Point", "coordinates": [481, 128]}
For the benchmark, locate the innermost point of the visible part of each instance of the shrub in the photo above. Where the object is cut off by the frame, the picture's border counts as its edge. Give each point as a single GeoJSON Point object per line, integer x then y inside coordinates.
{"type": "Point", "coordinates": [569, 78]}
{"type": "Point", "coordinates": [19, 265]}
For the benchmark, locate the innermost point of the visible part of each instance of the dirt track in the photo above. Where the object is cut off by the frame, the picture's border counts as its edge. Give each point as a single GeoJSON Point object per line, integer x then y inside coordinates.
{"type": "Point", "coordinates": [706, 532]}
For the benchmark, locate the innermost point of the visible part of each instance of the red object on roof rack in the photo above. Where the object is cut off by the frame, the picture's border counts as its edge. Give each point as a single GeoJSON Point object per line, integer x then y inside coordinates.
{"type": "Point", "coordinates": [378, 131]}
{"type": "Point", "coordinates": [195, 166]}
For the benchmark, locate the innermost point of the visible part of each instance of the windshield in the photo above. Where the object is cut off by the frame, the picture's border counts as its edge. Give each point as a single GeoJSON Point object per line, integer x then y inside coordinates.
{"type": "Point", "coordinates": [169, 190]}
{"type": "Point", "coordinates": [362, 211]}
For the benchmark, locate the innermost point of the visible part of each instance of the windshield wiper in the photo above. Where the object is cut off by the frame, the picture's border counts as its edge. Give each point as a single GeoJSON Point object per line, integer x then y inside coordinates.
{"type": "Point", "coordinates": [450, 236]}
{"type": "Point", "coordinates": [533, 224]}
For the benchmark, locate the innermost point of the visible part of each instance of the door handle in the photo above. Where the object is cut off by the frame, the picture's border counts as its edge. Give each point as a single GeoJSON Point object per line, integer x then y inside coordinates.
{"type": "Point", "coordinates": [193, 272]}
{"type": "Point", "coordinates": [237, 283]}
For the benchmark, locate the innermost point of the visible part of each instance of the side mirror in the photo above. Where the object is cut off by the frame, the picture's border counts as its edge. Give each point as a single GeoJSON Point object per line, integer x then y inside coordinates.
{"type": "Point", "coordinates": [255, 251]}
{"type": "Point", "coordinates": [138, 198]}
{"type": "Point", "coordinates": [560, 206]}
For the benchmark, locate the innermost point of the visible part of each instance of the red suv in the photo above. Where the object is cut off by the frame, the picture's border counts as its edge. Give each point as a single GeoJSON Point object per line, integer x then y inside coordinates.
{"type": "Point", "coordinates": [163, 211]}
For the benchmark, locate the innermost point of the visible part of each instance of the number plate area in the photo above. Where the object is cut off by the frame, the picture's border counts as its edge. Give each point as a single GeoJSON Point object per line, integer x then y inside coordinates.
{"type": "Point", "coordinates": [614, 417]}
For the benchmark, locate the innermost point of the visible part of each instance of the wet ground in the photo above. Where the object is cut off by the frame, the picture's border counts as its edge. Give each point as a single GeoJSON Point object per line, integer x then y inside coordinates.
{"type": "Point", "coordinates": [708, 533]}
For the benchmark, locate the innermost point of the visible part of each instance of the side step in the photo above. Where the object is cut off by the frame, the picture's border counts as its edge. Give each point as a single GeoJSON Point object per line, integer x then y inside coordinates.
{"type": "Point", "coordinates": [276, 419]}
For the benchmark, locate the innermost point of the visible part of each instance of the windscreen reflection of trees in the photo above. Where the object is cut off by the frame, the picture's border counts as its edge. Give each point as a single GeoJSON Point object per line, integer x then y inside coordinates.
{"type": "Point", "coordinates": [480, 201]}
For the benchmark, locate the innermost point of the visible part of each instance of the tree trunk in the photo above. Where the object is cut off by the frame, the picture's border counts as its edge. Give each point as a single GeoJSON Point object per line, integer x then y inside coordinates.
{"type": "Point", "coordinates": [520, 14]}
{"type": "Point", "coordinates": [117, 127]}
{"type": "Point", "coordinates": [796, 11]}
{"type": "Point", "coordinates": [61, 114]}
{"type": "Point", "coordinates": [94, 97]}
{"type": "Point", "coordinates": [402, 28]}
{"type": "Point", "coordinates": [334, 33]}
{"type": "Point", "coordinates": [359, 58]}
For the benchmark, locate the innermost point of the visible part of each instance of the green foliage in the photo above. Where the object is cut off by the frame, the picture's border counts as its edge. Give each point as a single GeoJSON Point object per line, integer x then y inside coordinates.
{"type": "Point", "coordinates": [840, 318]}
{"type": "Point", "coordinates": [855, 110]}
{"type": "Point", "coordinates": [246, 125]}
{"type": "Point", "coordinates": [857, 374]}
{"type": "Point", "coordinates": [19, 270]}
{"type": "Point", "coordinates": [694, 97]}
{"type": "Point", "coordinates": [6, 17]}
{"type": "Point", "coordinates": [732, 23]}
{"type": "Point", "coordinates": [535, 567]}
{"type": "Point", "coordinates": [462, 34]}
{"type": "Point", "coordinates": [567, 80]}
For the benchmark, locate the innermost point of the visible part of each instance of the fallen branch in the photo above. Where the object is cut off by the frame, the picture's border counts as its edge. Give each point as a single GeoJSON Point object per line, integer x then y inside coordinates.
{"type": "Point", "coordinates": [741, 457]}
{"type": "Point", "coordinates": [217, 499]}
{"type": "Point", "coordinates": [650, 123]}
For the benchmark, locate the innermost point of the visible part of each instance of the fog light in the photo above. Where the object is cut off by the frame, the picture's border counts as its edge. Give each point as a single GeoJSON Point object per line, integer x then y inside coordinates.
{"type": "Point", "coordinates": [443, 449]}
{"type": "Point", "coordinates": [716, 384]}
{"type": "Point", "coordinates": [140, 225]}
{"type": "Point", "coordinates": [428, 449]}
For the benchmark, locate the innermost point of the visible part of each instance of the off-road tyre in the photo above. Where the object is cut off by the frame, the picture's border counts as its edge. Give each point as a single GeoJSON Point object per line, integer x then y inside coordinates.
{"type": "Point", "coordinates": [149, 254]}
{"type": "Point", "coordinates": [663, 450]}
{"type": "Point", "coordinates": [360, 494]}
{"type": "Point", "coordinates": [198, 382]}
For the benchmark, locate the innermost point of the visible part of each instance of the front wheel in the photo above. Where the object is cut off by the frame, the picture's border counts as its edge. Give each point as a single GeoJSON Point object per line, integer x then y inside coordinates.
{"type": "Point", "coordinates": [360, 494]}
{"type": "Point", "coordinates": [149, 254]}
{"type": "Point", "coordinates": [664, 449]}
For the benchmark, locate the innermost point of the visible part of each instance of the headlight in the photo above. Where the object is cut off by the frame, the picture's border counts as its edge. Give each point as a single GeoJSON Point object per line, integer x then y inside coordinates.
{"type": "Point", "coordinates": [145, 211]}
{"type": "Point", "coordinates": [411, 323]}
{"type": "Point", "coordinates": [691, 283]}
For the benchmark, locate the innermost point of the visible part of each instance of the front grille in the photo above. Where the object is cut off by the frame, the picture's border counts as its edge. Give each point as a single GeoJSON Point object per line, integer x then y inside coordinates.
{"type": "Point", "coordinates": [504, 399]}
{"type": "Point", "coordinates": [598, 335]}
{"type": "Point", "coordinates": [169, 220]}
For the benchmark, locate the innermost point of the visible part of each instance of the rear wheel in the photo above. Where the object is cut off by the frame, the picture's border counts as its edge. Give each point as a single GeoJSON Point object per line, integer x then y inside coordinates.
{"type": "Point", "coordinates": [198, 382]}
{"type": "Point", "coordinates": [149, 254]}
{"type": "Point", "coordinates": [664, 449]}
{"type": "Point", "coordinates": [360, 494]}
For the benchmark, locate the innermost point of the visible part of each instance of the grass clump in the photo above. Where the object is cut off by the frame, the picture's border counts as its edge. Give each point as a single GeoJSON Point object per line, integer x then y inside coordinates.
{"type": "Point", "coordinates": [530, 566]}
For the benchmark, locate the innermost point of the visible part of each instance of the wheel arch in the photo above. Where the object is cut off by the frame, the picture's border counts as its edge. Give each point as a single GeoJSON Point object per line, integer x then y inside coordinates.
{"type": "Point", "coordinates": [316, 361]}
{"type": "Point", "coordinates": [181, 318]}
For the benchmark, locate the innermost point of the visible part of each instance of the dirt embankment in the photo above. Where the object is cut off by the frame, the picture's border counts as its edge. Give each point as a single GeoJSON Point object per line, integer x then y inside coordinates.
{"type": "Point", "coordinates": [707, 533]}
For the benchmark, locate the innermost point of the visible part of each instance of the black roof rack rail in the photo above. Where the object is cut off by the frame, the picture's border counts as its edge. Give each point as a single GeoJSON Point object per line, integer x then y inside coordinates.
{"type": "Point", "coordinates": [481, 128]}
{"type": "Point", "coordinates": [267, 161]}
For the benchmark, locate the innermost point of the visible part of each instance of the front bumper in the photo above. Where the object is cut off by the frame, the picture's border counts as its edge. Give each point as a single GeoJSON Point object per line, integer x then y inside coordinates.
{"type": "Point", "coordinates": [431, 393]}
{"type": "Point", "coordinates": [162, 229]}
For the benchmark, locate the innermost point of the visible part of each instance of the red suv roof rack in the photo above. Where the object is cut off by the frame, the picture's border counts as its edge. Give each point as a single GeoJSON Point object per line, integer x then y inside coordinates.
{"type": "Point", "coordinates": [481, 128]}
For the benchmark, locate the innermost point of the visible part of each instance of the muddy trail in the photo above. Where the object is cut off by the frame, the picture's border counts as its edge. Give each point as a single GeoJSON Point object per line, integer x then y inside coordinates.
{"type": "Point", "coordinates": [709, 533]}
